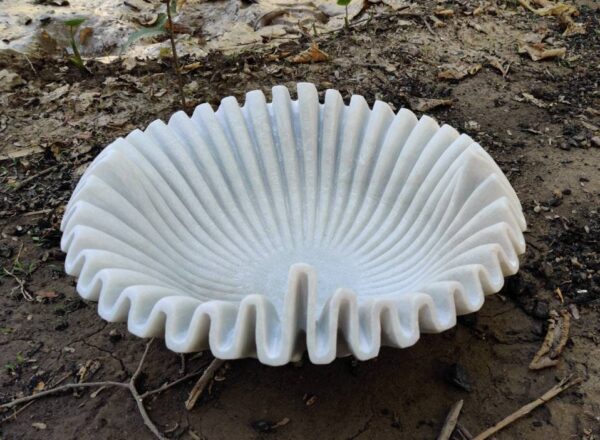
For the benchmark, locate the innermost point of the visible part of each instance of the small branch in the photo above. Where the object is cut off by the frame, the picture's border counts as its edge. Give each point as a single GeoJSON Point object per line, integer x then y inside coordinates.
{"type": "Point", "coordinates": [172, 384]}
{"type": "Point", "coordinates": [15, 413]}
{"type": "Point", "coordinates": [523, 411]}
{"type": "Point", "coordinates": [451, 420]}
{"type": "Point", "coordinates": [24, 182]}
{"type": "Point", "coordinates": [21, 284]}
{"type": "Point", "coordinates": [60, 389]}
{"type": "Point", "coordinates": [140, 404]}
{"type": "Point", "coordinates": [202, 382]}
{"type": "Point", "coordinates": [175, 57]}
{"type": "Point", "coordinates": [141, 364]}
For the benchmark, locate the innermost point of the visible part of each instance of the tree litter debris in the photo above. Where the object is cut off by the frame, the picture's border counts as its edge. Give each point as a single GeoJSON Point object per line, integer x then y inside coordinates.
{"type": "Point", "coordinates": [9, 80]}
{"type": "Point", "coordinates": [538, 53]}
{"type": "Point", "coordinates": [311, 55]}
{"type": "Point", "coordinates": [502, 66]}
{"type": "Point", "coordinates": [562, 11]}
{"type": "Point", "coordinates": [458, 71]}
{"type": "Point", "coordinates": [426, 104]}
{"type": "Point", "coordinates": [555, 341]}
{"type": "Point", "coordinates": [528, 97]}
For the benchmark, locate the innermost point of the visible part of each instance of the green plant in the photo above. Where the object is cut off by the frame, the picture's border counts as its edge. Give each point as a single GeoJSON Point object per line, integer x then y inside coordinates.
{"type": "Point", "coordinates": [162, 25]}
{"type": "Point", "coordinates": [345, 3]}
{"type": "Point", "coordinates": [75, 59]}
{"type": "Point", "coordinates": [12, 367]}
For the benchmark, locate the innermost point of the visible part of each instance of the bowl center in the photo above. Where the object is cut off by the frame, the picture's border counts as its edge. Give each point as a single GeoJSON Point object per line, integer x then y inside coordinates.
{"type": "Point", "coordinates": [270, 275]}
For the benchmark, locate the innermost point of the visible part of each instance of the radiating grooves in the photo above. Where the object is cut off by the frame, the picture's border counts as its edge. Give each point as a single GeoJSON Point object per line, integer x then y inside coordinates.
{"type": "Point", "coordinates": [373, 232]}
{"type": "Point", "coordinates": [259, 125]}
{"type": "Point", "coordinates": [281, 113]}
{"type": "Point", "coordinates": [436, 202]}
{"type": "Point", "coordinates": [211, 187]}
{"type": "Point", "coordinates": [160, 223]}
{"type": "Point", "coordinates": [214, 211]}
{"type": "Point", "coordinates": [349, 143]}
{"type": "Point", "coordinates": [414, 192]}
{"type": "Point", "coordinates": [235, 177]}
{"type": "Point", "coordinates": [307, 133]}
{"type": "Point", "coordinates": [331, 129]}
{"type": "Point", "coordinates": [483, 194]}
{"type": "Point", "coordinates": [376, 129]}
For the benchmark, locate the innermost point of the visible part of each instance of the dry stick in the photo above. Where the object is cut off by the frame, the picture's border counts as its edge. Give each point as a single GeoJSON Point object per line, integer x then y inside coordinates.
{"type": "Point", "coordinates": [130, 385]}
{"type": "Point", "coordinates": [523, 411]}
{"type": "Point", "coordinates": [59, 389]}
{"type": "Point", "coordinates": [202, 382]}
{"type": "Point", "coordinates": [451, 420]}
{"type": "Point", "coordinates": [175, 57]}
{"type": "Point", "coordinates": [35, 176]}
{"type": "Point", "coordinates": [15, 413]}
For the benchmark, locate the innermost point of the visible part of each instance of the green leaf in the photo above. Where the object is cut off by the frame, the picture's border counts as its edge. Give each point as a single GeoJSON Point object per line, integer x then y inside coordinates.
{"type": "Point", "coordinates": [157, 29]}
{"type": "Point", "coordinates": [74, 22]}
{"type": "Point", "coordinates": [343, 2]}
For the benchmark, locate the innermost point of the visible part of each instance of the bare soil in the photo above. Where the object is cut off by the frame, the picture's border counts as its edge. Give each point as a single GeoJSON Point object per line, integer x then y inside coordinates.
{"type": "Point", "coordinates": [55, 122]}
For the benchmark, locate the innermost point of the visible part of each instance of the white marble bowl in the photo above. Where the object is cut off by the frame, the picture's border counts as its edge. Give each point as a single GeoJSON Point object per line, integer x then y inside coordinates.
{"type": "Point", "coordinates": [276, 228]}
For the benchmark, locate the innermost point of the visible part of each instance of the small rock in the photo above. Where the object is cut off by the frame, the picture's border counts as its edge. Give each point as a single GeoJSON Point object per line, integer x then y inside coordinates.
{"type": "Point", "coordinates": [61, 325]}
{"type": "Point", "coordinates": [262, 426]}
{"type": "Point", "coordinates": [567, 191]}
{"type": "Point", "coordinates": [596, 141]}
{"type": "Point", "coordinates": [39, 425]}
{"type": "Point", "coordinates": [457, 375]}
{"type": "Point", "coordinates": [9, 80]}
{"type": "Point", "coordinates": [541, 310]}
{"type": "Point", "coordinates": [114, 336]}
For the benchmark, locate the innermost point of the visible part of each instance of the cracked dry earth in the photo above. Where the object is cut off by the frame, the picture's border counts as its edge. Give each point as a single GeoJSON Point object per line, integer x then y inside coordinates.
{"type": "Point", "coordinates": [57, 120]}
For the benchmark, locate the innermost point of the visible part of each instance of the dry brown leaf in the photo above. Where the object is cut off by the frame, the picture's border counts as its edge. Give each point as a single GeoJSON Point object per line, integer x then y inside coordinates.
{"type": "Point", "coordinates": [538, 53]}
{"type": "Point", "coordinates": [458, 71]}
{"type": "Point", "coordinates": [443, 12]}
{"type": "Point", "coordinates": [50, 294]}
{"type": "Point", "coordinates": [502, 67]}
{"type": "Point", "coordinates": [563, 11]}
{"type": "Point", "coordinates": [426, 104]}
{"type": "Point", "coordinates": [85, 35]}
{"type": "Point", "coordinates": [310, 55]}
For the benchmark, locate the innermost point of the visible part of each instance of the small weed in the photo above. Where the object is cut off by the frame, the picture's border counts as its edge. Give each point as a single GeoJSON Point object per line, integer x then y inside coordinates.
{"type": "Point", "coordinates": [345, 3]}
{"type": "Point", "coordinates": [162, 25]}
{"type": "Point", "coordinates": [75, 59]}
{"type": "Point", "coordinates": [13, 367]}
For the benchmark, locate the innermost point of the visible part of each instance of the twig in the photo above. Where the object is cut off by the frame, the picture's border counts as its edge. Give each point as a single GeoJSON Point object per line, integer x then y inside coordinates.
{"type": "Point", "coordinates": [60, 389]}
{"type": "Point", "coordinates": [451, 420]}
{"type": "Point", "coordinates": [21, 284]}
{"type": "Point", "coordinates": [202, 382]}
{"type": "Point", "coordinates": [464, 432]}
{"type": "Point", "coordinates": [523, 411]}
{"type": "Point", "coordinates": [15, 413]}
{"type": "Point", "coordinates": [29, 62]}
{"type": "Point", "coordinates": [166, 386]}
{"type": "Point", "coordinates": [428, 26]}
{"type": "Point", "coordinates": [23, 182]}
{"type": "Point", "coordinates": [175, 57]}
{"type": "Point", "coordinates": [129, 384]}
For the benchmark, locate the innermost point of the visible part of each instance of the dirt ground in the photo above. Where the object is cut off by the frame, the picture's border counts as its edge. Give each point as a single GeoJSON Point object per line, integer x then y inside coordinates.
{"type": "Point", "coordinates": [539, 122]}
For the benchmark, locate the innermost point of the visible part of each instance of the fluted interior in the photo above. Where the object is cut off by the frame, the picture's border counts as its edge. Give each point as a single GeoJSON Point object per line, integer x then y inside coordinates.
{"type": "Point", "coordinates": [306, 216]}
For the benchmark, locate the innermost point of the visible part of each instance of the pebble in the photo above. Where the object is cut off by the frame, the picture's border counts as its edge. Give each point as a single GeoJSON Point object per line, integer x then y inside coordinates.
{"type": "Point", "coordinates": [457, 375]}
{"type": "Point", "coordinates": [541, 310]}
